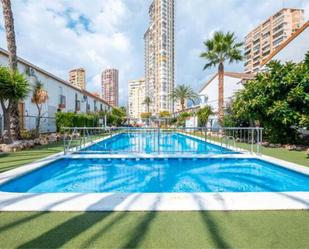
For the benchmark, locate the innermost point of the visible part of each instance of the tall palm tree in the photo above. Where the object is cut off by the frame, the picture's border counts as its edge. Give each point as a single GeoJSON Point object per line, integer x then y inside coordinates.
{"type": "Point", "coordinates": [147, 102]}
{"type": "Point", "coordinates": [182, 93]}
{"type": "Point", "coordinates": [39, 97]}
{"type": "Point", "coordinates": [11, 45]}
{"type": "Point", "coordinates": [221, 48]}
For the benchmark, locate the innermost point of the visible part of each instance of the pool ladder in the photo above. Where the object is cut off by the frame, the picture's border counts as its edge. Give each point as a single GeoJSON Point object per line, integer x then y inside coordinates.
{"type": "Point", "coordinates": [227, 140]}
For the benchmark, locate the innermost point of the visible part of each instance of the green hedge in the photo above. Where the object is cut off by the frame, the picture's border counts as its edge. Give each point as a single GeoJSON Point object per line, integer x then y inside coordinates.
{"type": "Point", "coordinates": [71, 119]}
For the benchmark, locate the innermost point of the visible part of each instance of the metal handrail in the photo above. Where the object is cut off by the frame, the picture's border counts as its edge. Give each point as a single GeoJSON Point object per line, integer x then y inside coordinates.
{"type": "Point", "coordinates": [227, 139]}
{"type": "Point", "coordinates": [228, 136]}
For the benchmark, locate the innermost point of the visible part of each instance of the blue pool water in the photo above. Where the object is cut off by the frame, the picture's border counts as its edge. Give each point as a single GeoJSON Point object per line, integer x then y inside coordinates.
{"type": "Point", "coordinates": [154, 142]}
{"type": "Point", "coordinates": [159, 175]}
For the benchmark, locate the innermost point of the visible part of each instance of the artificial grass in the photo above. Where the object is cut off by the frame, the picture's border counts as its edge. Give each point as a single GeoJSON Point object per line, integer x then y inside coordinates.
{"type": "Point", "coordinates": [237, 229]}
{"type": "Point", "coordinates": [12, 160]}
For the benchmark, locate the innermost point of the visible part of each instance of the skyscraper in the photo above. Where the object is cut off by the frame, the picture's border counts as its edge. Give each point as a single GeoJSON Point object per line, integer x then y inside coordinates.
{"type": "Point", "coordinates": [137, 97]}
{"type": "Point", "coordinates": [159, 55]}
{"type": "Point", "coordinates": [77, 77]}
{"type": "Point", "coordinates": [109, 81]}
{"type": "Point", "coordinates": [269, 35]}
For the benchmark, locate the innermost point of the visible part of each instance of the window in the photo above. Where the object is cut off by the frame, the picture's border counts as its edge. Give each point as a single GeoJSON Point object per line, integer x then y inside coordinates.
{"type": "Point", "coordinates": [95, 105]}
{"type": "Point", "coordinates": [77, 105]}
{"type": "Point", "coordinates": [62, 101]}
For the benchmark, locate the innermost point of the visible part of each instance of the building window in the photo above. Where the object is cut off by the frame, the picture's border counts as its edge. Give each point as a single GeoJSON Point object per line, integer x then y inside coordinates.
{"type": "Point", "coordinates": [95, 105]}
{"type": "Point", "coordinates": [62, 101]}
{"type": "Point", "coordinates": [77, 105]}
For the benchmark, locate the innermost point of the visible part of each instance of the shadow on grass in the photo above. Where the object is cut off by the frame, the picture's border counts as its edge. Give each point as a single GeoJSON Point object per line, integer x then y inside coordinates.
{"type": "Point", "coordinates": [108, 226]}
{"type": "Point", "coordinates": [212, 227]}
{"type": "Point", "coordinates": [62, 233]}
{"type": "Point", "coordinates": [31, 217]}
{"type": "Point", "coordinates": [140, 231]}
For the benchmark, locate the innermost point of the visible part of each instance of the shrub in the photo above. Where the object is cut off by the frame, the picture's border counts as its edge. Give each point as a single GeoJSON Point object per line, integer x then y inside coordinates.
{"type": "Point", "coordinates": [278, 99]}
{"type": "Point", "coordinates": [146, 115]}
{"type": "Point", "coordinates": [181, 119]}
{"type": "Point", "coordinates": [203, 115]}
{"type": "Point", "coordinates": [28, 135]}
{"type": "Point", "coordinates": [71, 119]}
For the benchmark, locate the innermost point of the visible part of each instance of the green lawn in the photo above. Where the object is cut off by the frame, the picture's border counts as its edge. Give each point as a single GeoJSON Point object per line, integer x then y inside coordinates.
{"type": "Point", "coordinates": [12, 160]}
{"type": "Point", "coordinates": [267, 229]}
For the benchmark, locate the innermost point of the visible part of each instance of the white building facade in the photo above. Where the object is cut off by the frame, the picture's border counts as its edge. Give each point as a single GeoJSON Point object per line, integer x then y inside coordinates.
{"type": "Point", "coordinates": [159, 56]}
{"type": "Point", "coordinates": [209, 93]}
{"type": "Point", "coordinates": [137, 95]}
{"type": "Point", "coordinates": [62, 96]}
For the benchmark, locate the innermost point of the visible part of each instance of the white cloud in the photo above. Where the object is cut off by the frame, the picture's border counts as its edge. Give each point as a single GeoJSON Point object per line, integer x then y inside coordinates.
{"type": "Point", "coordinates": [59, 35]}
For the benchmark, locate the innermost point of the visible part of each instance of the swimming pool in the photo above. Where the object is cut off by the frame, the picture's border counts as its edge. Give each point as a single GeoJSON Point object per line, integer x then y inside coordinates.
{"type": "Point", "coordinates": [187, 175]}
{"type": "Point", "coordinates": [155, 142]}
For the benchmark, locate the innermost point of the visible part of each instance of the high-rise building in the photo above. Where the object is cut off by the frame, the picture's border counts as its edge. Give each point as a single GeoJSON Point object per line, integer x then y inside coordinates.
{"type": "Point", "coordinates": [77, 77]}
{"type": "Point", "coordinates": [159, 55]}
{"type": "Point", "coordinates": [109, 80]}
{"type": "Point", "coordinates": [137, 95]}
{"type": "Point", "coordinates": [265, 38]}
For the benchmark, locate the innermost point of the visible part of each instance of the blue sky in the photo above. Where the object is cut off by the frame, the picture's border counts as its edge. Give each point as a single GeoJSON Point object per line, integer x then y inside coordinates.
{"type": "Point", "coordinates": [60, 35]}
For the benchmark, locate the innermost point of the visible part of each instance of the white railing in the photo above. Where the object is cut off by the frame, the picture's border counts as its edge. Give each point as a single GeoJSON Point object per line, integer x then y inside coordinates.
{"type": "Point", "coordinates": [162, 140]}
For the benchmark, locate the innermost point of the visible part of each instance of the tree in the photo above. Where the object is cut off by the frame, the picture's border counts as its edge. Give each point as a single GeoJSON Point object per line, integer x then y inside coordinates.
{"type": "Point", "coordinates": [145, 115]}
{"type": "Point", "coordinates": [203, 115]}
{"type": "Point", "coordinates": [39, 97]}
{"type": "Point", "coordinates": [117, 116]}
{"type": "Point", "coordinates": [182, 93]}
{"type": "Point", "coordinates": [13, 87]}
{"type": "Point", "coordinates": [147, 102]}
{"type": "Point", "coordinates": [11, 45]}
{"type": "Point", "coordinates": [164, 114]}
{"type": "Point", "coordinates": [181, 119]}
{"type": "Point", "coordinates": [221, 48]}
{"type": "Point", "coordinates": [278, 99]}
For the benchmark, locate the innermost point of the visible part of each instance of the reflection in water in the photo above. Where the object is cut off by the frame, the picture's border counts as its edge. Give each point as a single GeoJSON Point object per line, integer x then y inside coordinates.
{"type": "Point", "coordinates": [151, 142]}
{"type": "Point", "coordinates": [159, 175]}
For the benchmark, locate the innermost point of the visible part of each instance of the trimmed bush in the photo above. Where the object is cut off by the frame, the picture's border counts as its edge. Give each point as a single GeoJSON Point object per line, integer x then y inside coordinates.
{"type": "Point", "coordinates": [71, 119]}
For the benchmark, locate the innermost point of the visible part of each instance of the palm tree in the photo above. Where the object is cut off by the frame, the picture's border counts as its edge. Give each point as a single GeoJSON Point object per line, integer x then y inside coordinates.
{"type": "Point", "coordinates": [11, 44]}
{"type": "Point", "coordinates": [39, 97]}
{"type": "Point", "coordinates": [13, 87]}
{"type": "Point", "coordinates": [221, 48]}
{"type": "Point", "coordinates": [147, 102]}
{"type": "Point", "coordinates": [182, 93]}
{"type": "Point", "coordinates": [203, 115]}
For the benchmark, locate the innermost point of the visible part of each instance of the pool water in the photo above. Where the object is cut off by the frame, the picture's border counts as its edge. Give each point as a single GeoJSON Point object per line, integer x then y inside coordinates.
{"type": "Point", "coordinates": [159, 175]}
{"type": "Point", "coordinates": [154, 142]}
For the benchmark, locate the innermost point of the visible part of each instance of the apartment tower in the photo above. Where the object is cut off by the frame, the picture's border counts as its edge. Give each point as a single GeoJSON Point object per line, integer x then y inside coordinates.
{"type": "Point", "coordinates": [77, 77]}
{"type": "Point", "coordinates": [159, 55]}
{"type": "Point", "coordinates": [269, 35]}
{"type": "Point", "coordinates": [137, 95]}
{"type": "Point", "coordinates": [109, 81]}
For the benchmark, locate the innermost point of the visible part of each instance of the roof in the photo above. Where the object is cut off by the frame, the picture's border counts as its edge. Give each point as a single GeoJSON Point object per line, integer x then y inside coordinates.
{"type": "Point", "coordinates": [25, 62]}
{"type": "Point", "coordinates": [284, 44]}
{"type": "Point", "coordinates": [242, 76]}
